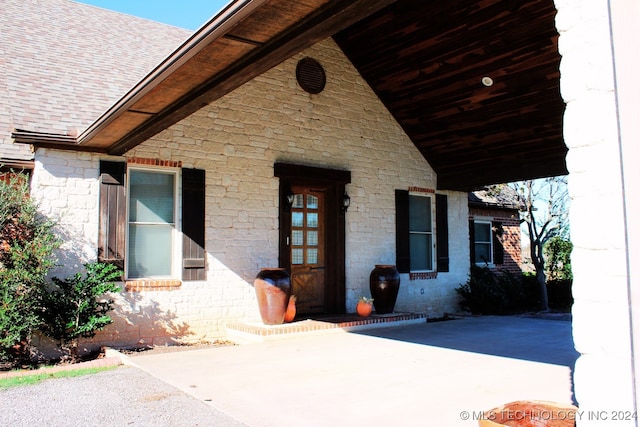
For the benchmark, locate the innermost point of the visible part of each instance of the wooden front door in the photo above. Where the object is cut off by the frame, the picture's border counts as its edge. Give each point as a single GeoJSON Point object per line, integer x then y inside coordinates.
{"type": "Point", "coordinates": [307, 246]}
{"type": "Point", "coordinates": [312, 235]}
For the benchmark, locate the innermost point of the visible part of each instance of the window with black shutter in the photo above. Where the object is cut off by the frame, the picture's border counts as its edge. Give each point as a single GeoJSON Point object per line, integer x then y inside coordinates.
{"type": "Point", "coordinates": [442, 232]}
{"type": "Point", "coordinates": [482, 242]}
{"type": "Point", "coordinates": [151, 220]}
{"type": "Point", "coordinates": [193, 254]}
{"type": "Point", "coordinates": [112, 215]}
{"type": "Point", "coordinates": [472, 241]}
{"type": "Point", "coordinates": [486, 242]}
{"type": "Point", "coordinates": [403, 262]}
{"type": "Point", "coordinates": [416, 231]}
{"type": "Point", "coordinates": [498, 247]}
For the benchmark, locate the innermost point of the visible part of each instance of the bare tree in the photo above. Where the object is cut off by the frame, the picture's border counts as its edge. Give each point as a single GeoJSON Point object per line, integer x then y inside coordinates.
{"type": "Point", "coordinates": [545, 215]}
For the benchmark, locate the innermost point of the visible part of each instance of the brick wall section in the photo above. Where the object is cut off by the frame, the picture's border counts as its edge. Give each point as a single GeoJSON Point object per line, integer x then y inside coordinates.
{"type": "Point", "coordinates": [236, 140]}
{"type": "Point", "coordinates": [511, 238]}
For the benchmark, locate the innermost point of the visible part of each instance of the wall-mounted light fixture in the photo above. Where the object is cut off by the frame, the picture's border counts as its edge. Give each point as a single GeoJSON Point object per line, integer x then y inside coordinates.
{"type": "Point", "coordinates": [346, 202]}
{"type": "Point", "coordinates": [289, 200]}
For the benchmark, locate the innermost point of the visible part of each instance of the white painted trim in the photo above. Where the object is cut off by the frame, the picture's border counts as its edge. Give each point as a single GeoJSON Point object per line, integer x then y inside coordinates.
{"type": "Point", "coordinates": [434, 261]}
{"type": "Point", "coordinates": [176, 248]}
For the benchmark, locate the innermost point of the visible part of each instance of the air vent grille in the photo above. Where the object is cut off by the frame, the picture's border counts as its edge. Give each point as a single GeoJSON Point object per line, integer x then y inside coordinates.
{"type": "Point", "coordinates": [310, 75]}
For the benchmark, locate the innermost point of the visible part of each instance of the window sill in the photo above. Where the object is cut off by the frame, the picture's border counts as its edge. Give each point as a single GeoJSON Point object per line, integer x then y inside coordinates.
{"type": "Point", "coordinates": [152, 285]}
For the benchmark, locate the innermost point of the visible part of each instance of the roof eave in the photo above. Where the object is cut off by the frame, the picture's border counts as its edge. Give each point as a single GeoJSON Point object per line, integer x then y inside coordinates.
{"type": "Point", "coordinates": [230, 15]}
{"type": "Point", "coordinates": [494, 206]}
{"type": "Point", "coordinates": [328, 17]}
{"type": "Point", "coordinates": [50, 140]}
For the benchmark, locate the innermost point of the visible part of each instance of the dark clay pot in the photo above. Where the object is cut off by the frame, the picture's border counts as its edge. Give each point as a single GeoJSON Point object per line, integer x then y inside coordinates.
{"type": "Point", "coordinates": [384, 283]}
{"type": "Point", "coordinates": [273, 288]}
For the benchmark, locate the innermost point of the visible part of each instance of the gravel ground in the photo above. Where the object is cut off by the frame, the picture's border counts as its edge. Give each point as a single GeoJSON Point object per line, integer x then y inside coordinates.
{"type": "Point", "coordinates": [125, 396]}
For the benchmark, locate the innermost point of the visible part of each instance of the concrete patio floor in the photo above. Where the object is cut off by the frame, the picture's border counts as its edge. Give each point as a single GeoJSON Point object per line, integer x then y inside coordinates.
{"type": "Point", "coordinates": [439, 374]}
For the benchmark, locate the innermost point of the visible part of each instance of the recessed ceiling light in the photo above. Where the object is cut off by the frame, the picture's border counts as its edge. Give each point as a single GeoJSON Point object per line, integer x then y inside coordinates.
{"type": "Point", "coordinates": [487, 81]}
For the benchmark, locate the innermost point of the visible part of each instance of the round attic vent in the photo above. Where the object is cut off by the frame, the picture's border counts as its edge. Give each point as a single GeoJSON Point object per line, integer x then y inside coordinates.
{"type": "Point", "coordinates": [310, 75]}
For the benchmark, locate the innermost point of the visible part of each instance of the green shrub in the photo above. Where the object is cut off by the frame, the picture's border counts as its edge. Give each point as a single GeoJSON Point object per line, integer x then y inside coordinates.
{"type": "Point", "coordinates": [27, 246]}
{"type": "Point", "coordinates": [77, 306]}
{"type": "Point", "coordinates": [531, 290]}
{"type": "Point", "coordinates": [558, 255]}
{"type": "Point", "coordinates": [487, 292]}
{"type": "Point", "coordinates": [560, 296]}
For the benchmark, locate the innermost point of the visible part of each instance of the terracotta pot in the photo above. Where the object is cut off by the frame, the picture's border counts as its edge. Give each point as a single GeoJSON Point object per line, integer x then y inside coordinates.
{"type": "Point", "coordinates": [530, 413]}
{"type": "Point", "coordinates": [384, 282]}
{"type": "Point", "coordinates": [363, 308]}
{"type": "Point", "coordinates": [290, 314]}
{"type": "Point", "coordinates": [19, 349]}
{"type": "Point", "coordinates": [273, 288]}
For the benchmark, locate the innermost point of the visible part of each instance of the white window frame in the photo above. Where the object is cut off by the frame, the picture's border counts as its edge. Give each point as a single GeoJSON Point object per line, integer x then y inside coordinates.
{"type": "Point", "coordinates": [432, 232]}
{"type": "Point", "coordinates": [488, 222]}
{"type": "Point", "coordinates": [176, 249]}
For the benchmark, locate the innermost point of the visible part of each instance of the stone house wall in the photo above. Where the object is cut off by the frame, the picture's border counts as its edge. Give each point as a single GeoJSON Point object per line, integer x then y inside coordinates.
{"type": "Point", "coordinates": [599, 69]}
{"type": "Point", "coordinates": [237, 140]}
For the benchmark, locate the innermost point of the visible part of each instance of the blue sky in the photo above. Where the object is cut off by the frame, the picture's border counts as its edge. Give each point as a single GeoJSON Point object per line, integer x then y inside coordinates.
{"type": "Point", "coordinates": [190, 14]}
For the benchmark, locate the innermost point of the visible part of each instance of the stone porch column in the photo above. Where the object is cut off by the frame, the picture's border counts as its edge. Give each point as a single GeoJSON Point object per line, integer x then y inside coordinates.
{"type": "Point", "coordinates": [599, 82]}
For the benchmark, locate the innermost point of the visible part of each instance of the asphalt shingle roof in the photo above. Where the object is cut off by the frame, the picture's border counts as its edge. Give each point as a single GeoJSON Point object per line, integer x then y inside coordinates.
{"type": "Point", "coordinates": [502, 196]}
{"type": "Point", "coordinates": [62, 64]}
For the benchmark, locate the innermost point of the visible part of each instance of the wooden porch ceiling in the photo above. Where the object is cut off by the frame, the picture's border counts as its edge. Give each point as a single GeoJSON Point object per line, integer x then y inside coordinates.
{"type": "Point", "coordinates": [425, 60]}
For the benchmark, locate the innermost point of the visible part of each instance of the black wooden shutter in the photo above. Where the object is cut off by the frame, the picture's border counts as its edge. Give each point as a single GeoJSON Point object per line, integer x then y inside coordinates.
{"type": "Point", "coordinates": [498, 249]}
{"type": "Point", "coordinates": [193, 254]}
{"type": "Point", "coordinates": [403, 259]}
{"type": "Point", "coordinates": [442, 232]}
{"type": "Point", "coordinates": [472, 241]}
{"type": "Point", "coordinates": [113, 211]}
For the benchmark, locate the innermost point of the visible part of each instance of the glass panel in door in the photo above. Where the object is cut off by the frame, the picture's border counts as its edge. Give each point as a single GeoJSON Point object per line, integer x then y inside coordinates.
{"type": "Point", "coordinates": [307, 250]}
